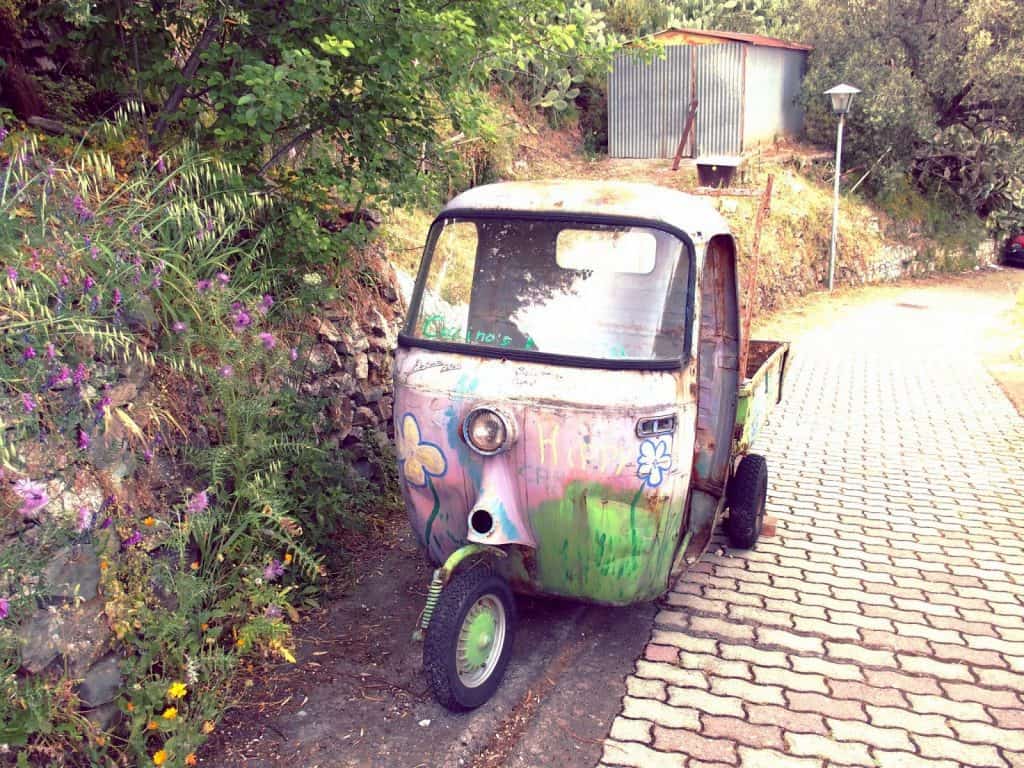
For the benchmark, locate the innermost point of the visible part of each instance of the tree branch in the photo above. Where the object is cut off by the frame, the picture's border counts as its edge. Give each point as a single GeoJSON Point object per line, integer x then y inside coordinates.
{"type": "Point", "coordinates": [187, 73]}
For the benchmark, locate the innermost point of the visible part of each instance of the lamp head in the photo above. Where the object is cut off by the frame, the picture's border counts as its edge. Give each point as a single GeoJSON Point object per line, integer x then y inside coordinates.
{"type": "Point", "coordinates": [842, 97]}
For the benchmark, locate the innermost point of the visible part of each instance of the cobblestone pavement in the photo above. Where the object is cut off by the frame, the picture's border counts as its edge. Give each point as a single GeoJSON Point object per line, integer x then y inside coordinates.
{"type": "Point", "coordinates": [883, 625]}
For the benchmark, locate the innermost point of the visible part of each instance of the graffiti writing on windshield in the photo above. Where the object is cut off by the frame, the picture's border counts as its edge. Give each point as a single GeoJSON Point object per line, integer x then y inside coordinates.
{"type": "Point", "coordinates": [434, 327]}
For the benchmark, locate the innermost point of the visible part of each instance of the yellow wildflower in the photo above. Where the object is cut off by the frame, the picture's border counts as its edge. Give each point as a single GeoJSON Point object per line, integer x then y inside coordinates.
{"type": "Point", "coordinates": [170, 713]}
{"type": "Point", "coordinates": [190, 759]}
{"type": "Point", "coordinates": [152, 725]}
{"type": "Point", "coordinates": [207, 727]}
{"type": "Point", "coordinates": [194, 565]}
{"type": "Point", "coordinates": [160, 757]}
{"type": "Point", "coordinates": [149, 522]}
{"type": "Point", "coordinates": [287, 558]}
{"type": "Point", "coordinates": [177, 691]}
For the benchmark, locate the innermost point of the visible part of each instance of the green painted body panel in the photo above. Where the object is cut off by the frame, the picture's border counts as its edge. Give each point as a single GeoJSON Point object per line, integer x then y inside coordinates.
{"type": "Point", "coordinates": [596, 547]}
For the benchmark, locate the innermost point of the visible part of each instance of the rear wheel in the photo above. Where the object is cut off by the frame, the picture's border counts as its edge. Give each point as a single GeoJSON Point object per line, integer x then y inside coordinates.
{"type": "Point", "coordinates": [747, 496]}
{"type": "Point", "coordinates": [469, 639]}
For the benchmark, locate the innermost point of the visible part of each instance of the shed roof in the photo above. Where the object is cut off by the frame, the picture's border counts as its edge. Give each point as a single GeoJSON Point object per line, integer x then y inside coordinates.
{"type": "Point", "coordinates": [693, 215]}
{"type": "Point", "coordinates": [739, 37]}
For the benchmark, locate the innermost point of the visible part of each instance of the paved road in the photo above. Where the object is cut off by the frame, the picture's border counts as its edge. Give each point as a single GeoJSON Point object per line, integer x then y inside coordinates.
{"type": "Point", "coordinates": [884, 624]}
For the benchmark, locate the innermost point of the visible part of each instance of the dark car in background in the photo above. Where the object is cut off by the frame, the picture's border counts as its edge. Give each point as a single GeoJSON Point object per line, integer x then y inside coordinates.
{"type": "Point", "coordinates": [1013, 252]}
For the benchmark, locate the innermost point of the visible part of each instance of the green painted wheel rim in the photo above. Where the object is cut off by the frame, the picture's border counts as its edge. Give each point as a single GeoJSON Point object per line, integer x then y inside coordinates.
{"type": "Point", "coordinates": [480, 641]}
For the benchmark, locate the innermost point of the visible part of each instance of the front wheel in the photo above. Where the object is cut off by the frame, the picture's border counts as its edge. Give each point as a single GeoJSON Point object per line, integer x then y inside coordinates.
{"type": "Point", "coordinates": [747, 497]}
{"type": "Point", "coordinates": [469, 639]}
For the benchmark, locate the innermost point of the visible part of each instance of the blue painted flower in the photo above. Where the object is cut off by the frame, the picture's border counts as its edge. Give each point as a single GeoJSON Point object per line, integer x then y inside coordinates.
{"type": "Point", "coordinates": [653, 461]}
{"type": "Point", "coordinates": [419, 458]}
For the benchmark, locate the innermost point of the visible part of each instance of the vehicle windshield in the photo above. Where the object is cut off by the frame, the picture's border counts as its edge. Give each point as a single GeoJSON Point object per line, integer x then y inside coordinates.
{"type": "Point", "coordinates": [581, 289]}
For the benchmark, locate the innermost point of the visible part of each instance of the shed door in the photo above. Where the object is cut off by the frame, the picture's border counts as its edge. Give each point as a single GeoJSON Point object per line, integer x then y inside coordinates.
{"type": "Point", "coordinates": [720, 97]}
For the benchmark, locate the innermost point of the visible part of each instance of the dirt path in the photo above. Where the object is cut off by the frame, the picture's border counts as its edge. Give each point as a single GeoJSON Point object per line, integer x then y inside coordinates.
{"type": "Point", "coordinates": [356, 697]}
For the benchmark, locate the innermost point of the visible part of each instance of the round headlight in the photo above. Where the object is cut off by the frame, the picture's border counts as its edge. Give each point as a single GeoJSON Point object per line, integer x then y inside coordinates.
{"type": "Point", "coordinates": [485, 430]}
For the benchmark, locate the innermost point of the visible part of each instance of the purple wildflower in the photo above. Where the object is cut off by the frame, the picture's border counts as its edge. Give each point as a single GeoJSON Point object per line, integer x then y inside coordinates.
{"type": "Point", "coordinates": [94, 304]}
{"type": "Point", "coordinates": [203, 286]}
{"type": "Point", "coordinates": [272, 612]}
{"type": "Point", "coordinates": [5, 606]}
{"type": "Point", "coordinates": [265, 304]}
{"type": "Point", "coordinates": [83, 440]}
{"type": "Point", "coordinates": [157, 282]}
{"type": "Point", "coordinates": [161, 167]}
{"type": "Point", "coordinates": [94, 251]}
{"type": "Point", "coordinates": [242, 319]}
{"type": "Point", "coordinates": [63, 376]}
{"type": "Point", "coordinates": [51, 351]}
{"type": "Point", "coordinates": [293, 353]}
{"type": "Point", "coordinates": [273, 571]}
{"type": "Point", "coordinates": [103, 405]}
{"type": "Point", "coordinates": [33, 497]}
{"type": "Point", "coordinates": [179, 327]}
{"type": "Point", "coordinates": [132, 540]}
{"type": "Point", "coordinates": [29, 353]}
{"type": "Point", "coordinates": [159, 266]}
{"type": "Point", "coordinates": [226, 372]}
{"type": "Point", "coordinates": [223, 278]}
{"type": "Point", "coordinates": [12, 274]}
{"type": "Point", "coordinates": [81, 374]}
{"type": "Point", "coordinates": [198, 503]}
{"type": "Point", "coordinates": [4, 133]}
{"type": "Point", "coordinates": [269, 342]}
{"type": "Point", "coordinates": [81, 208]}
{"type": "Point", "coordinates": [85, 517]}
{"type": "Point", "coordinates": [65, 279]}
{"type": "Point", "coordinates": [117, 297]}
{"type": "Point", "coordinates": [147, 456]}
{"type": "Point", "coordinates": [89, 283]}
{"type": "Point", "coordinates": [107, 522]}
{"type": "Point", "coordinates": [28, 402]}
{"type": "Point", "coordinates": [136, 228]}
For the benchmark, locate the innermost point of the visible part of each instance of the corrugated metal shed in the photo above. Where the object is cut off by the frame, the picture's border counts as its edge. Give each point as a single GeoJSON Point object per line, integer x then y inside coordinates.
{"type": "Point", "coordinates": [746, 87]}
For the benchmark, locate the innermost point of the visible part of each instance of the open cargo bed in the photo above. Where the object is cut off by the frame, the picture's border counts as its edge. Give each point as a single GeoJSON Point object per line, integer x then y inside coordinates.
{"type": "Point", "coordinates": [760, 389]}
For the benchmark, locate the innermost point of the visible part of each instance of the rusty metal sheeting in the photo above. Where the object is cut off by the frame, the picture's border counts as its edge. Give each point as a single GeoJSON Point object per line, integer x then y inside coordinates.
{"type": "Point", "coordinates": [647, 103]}
{"type": "Point", "coordinates": [720, 92]}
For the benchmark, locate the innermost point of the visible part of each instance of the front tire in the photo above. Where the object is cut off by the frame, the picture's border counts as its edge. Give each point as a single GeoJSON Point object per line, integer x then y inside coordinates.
{"type": "Point", "coordinates": [469, 639]}
{"type": "Point", "coordinates": [747, 497]}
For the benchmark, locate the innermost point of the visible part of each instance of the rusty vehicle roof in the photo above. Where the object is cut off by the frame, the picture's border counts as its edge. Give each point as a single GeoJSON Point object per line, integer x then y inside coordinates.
{"type": "Point", "coordinates": [689, 213]}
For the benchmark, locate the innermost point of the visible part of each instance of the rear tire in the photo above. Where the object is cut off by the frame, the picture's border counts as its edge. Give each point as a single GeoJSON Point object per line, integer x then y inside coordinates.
{"type": "Point", "coordinates": [747, 496]}
{"type": "Point", "coordinates": [469, 639]}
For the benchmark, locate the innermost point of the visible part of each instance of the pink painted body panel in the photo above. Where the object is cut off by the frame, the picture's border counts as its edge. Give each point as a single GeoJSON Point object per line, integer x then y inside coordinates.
{"type": "Point", "coordinates": [591, 509]}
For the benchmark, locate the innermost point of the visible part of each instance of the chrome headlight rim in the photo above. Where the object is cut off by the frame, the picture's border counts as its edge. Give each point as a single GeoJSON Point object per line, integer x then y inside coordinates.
{"type": "Point", "coordinates": [507, 423]}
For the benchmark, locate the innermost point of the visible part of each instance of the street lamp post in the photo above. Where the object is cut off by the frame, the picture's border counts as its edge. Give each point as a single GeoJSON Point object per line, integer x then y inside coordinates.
{"type": "Point", "coordinates": [842, 98]}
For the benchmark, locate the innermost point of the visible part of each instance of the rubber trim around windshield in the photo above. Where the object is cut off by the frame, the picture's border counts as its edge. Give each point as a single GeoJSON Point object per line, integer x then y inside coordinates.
{"type": "Point", "coordinates": [531, 356]}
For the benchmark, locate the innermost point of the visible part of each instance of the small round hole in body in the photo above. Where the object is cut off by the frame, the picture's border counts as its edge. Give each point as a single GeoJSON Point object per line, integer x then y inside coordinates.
{"type": "Point", "coordinates": [481, 521]}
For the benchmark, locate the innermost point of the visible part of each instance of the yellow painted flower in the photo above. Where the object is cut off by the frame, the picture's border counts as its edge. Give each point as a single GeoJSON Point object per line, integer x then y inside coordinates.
{"type": "Point", "coordinates": [287, 558]}
{"type": "Point", "coordinates": [160, 757]}
{"type": "Point", "coordinates": [177, 691]}
{"type": "Point", "coordinates": [152, 725]}
{"type": "Point", "coordinates": [418, 458]}
{"type": "Point", "coordinates": [207, 727]}
{"type": "Point", "coordinates": [170, 713]}
{"type": "Point", "coordinates": [194, 565]}
{"type": "Point", "coordinates": [149, 522]}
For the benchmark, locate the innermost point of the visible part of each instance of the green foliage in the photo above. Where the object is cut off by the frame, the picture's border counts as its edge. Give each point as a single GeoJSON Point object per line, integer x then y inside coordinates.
{"type": "Point", "coordinates": [338, 103]}
{"type": "Point", "coordinates": [943, 88]}
{"type": "Point", "coordinates": [635, 18]}
{"type": "Point", "coordinates": [114, 258]}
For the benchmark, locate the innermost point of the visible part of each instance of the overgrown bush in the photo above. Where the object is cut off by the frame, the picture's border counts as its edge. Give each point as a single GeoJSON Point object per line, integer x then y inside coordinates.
{"type": "Point", "coordinates": [118, 263]}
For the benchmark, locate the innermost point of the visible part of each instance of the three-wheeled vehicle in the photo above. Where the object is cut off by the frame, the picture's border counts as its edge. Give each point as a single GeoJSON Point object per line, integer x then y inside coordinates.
{"type": "Point", "coordinates": [570, 416]}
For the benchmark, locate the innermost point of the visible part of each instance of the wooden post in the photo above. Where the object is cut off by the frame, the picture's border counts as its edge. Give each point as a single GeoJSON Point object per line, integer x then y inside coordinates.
{"type": "Point", "coordinates": [755, 260]}
{"type": "Point", "coordinates": [687, 130]}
